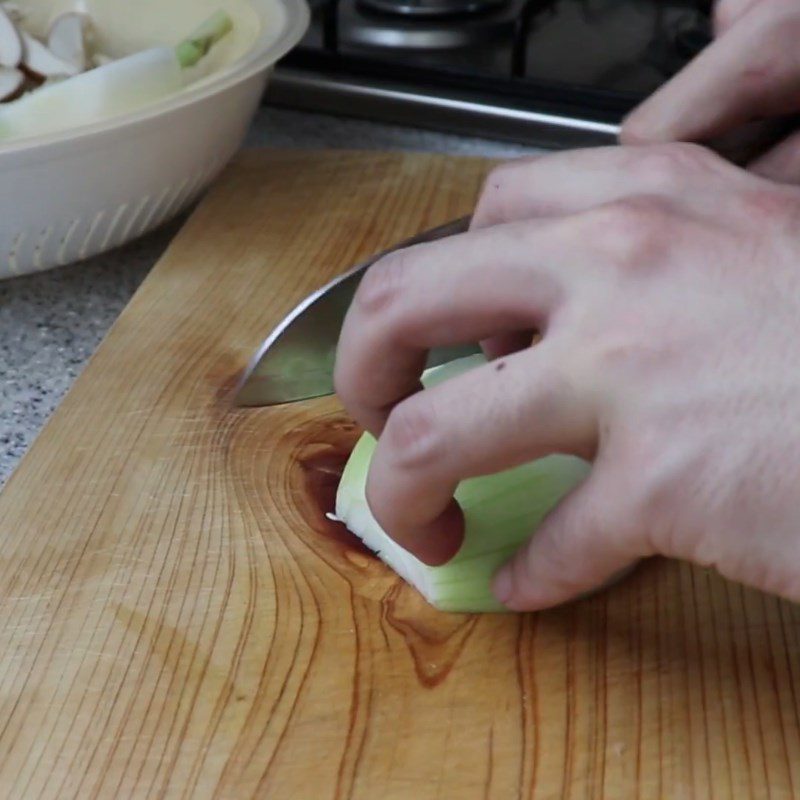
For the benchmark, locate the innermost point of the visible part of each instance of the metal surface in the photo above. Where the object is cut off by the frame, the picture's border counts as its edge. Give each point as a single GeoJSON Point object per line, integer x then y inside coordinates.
{"type": "Point", "coordinates": [432, 8]}
{"type": "Point", "coordinates": [477, 44]}
{"type": "Point", "coordinates": [456, 112]}
{"type": "Point", "coordinates": [560, 73]}
{"type": "Point", "coordinates": [296, 360]}
{"type": "Point", "coordinates": [395, 103]}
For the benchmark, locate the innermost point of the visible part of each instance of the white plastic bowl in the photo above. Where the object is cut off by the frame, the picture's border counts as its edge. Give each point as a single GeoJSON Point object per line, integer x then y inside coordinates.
{"type": "Point", "coordinates": [67, 196]}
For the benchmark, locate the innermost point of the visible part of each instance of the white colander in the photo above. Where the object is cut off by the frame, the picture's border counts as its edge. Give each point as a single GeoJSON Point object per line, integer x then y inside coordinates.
{"type": "Point", "coordinates": [67, 196]}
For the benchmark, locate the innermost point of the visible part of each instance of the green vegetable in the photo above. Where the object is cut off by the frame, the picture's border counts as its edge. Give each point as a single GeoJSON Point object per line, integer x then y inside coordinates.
{"type": "Point", "coordinates": [191, 50]}
{"type": "Point", "coordinates": [501, 511]}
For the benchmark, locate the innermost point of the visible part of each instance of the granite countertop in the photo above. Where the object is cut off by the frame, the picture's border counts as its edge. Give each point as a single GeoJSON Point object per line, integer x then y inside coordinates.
{"type": "Point", "coordinates": [51, 323]}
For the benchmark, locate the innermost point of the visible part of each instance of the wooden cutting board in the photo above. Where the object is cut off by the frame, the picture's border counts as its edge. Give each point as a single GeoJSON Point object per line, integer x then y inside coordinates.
{"type": "Point", "coordinates": [178, 619]}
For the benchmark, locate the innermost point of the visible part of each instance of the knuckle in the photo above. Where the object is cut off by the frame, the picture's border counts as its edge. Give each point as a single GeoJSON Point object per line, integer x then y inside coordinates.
{"type": "Point", "coordinates": [755, 79]}
{"type": "Point", "coordinates": [345, 375]}
{"type": "Point", "coordinates": [768, 204]}
{"type": "Point", "coordinates": [631, 233]}
{"type": "Point", "coordinates": [725, 12]}
{"type": "Point", "coordinates": [412, 434]}
{"type": "Point", "coordinates": [614, 354]}
{"type": "Point", "coordinates": [554, 558]}
{"type": "Point", "coordinates": [341, 382]}
{"type": "Point", "coordinates": [383, 284]}
{"type": "Point", "coordinates": [490, 208]}
{"type": "Point", "coordinates": [668, 167]}
{"type": "Point", "coordinates": [499, 176]}
{"type": "Point", "coordinates": [634, 344]}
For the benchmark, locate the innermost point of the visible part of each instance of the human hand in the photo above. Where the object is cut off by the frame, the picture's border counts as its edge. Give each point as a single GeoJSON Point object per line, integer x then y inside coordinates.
{"type": "Point", "coordinates": [751, 71]}
{"type": "Point", "coordinates": [666, 285]}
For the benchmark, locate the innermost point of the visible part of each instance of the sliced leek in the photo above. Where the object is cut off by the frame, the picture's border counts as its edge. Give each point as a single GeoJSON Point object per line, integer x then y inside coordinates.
{"type": "Point", "coordinates": [119, 87]}
{"type": "Point", "coordinates": [501, 511]}
{"type": "Point", "coordinates": [191, 50]}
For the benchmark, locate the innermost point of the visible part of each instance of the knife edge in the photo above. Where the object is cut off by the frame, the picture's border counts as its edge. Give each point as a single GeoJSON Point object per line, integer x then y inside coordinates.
{"type": "Point", "coordinates": [269, 380]}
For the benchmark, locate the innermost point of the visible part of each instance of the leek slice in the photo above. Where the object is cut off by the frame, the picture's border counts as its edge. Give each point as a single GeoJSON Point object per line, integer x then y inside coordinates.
{"type": "Point", "coordinates": [119, 87]}
{"type": "Point", "coordinates": [111, 90]}
{"type": "Point", "coordinates": [191, 50]}
{"type": "Point", "coordinates": [501, 511]}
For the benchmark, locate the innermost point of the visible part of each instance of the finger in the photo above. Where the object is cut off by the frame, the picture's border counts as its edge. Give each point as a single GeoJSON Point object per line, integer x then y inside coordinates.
{"type": "Point", "coordinates": [492, 418]}
{"type": "Point", "coordinates": [573, 181]}
{"type": "Point", "coordinates": [751, 71]}
{"type": "Point", "coordinates": [504, 344]}
{"type": "Point", "coordinates": [578, 548]}
{"type": "Point", "coordinates": [728, 12]}
{"type": "Point", "coordinates": [781, 163]}
{"type": "Point", "coordinates": [542, 186]}
{"type": "Point", "coordinates": [462, 290]}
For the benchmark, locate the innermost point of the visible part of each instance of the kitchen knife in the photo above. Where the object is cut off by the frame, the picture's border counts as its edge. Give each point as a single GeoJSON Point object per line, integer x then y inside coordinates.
{"type": "Point", "coordinates": [296, 360]}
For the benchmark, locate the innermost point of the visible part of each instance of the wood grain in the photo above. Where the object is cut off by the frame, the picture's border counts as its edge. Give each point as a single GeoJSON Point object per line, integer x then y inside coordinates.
{"type": "Point", "coordinates": [178, 619]}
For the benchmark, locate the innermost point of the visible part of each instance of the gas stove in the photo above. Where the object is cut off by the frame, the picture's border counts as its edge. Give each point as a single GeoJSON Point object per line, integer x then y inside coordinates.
{"type": "Point", "coordinates": [543, 72]}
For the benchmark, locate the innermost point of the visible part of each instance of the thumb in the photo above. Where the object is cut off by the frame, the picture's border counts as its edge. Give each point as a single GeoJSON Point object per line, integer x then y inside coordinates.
{"type": "Point", "coordinates": [576, 549]}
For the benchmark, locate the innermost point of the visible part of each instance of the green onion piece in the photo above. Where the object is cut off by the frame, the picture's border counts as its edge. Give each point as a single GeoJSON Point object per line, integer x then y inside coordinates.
{"type": "Point", "coordinates": [192, 49]}
{"type": "Point", "coordinates": [501, 512]}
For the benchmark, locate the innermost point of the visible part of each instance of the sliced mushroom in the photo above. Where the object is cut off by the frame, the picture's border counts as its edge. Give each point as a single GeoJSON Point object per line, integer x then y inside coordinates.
{"type": "Point", "coordinates": [10, 42]}
{"type": "Point", "coordinates": [66, 38]}
{"type": "Point", "coordinates": [11, 83]}
{"type": "Point", "coordinates": [41, 62]}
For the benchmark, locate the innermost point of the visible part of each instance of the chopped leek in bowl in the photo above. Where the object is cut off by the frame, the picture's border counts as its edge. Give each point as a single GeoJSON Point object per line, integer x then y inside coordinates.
{"type": "Point", "coordinates": [73, 185]}
{"type": "Point", "coordinates": [64, 82]}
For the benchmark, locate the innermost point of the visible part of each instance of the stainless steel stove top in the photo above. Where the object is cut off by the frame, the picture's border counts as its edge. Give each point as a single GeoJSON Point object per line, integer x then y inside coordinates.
{"type": "Point", "coordinates": [546, 72]}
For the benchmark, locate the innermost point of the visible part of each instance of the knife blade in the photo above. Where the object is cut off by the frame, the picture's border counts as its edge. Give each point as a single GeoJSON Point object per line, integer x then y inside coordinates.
{"type": "Point", "coordinates": [296, 360]}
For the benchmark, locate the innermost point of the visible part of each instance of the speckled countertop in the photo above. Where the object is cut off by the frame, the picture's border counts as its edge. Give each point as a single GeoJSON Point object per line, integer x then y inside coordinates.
{"type": "Point", "coordinates": [50, 324]}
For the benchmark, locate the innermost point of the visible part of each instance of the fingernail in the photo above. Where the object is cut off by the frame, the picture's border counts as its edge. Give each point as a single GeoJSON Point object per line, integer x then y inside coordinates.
{"type": "Point", "coordinates": [503, 586]}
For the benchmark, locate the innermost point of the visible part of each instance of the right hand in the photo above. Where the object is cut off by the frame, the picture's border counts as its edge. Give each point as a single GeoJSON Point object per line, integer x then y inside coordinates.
{"type": "Point", "coordinates": [751, 71]}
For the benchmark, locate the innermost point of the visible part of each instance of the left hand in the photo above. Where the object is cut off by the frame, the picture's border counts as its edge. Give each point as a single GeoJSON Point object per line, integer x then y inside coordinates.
{"type": "Point", "coordinates": [666, 284]}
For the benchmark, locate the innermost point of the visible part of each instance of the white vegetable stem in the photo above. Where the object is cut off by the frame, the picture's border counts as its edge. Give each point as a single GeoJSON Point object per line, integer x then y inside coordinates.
{"type": "Point", "coordinates": [42, 62]}
{"type": "Point", "coordinates": [11, 49]}
{"type": "Point", "coordinates": [117, 88]}
{"type": "Point", "coordinates": [66, 38]}
{"type": "Point", "coordinates": [501, 511]}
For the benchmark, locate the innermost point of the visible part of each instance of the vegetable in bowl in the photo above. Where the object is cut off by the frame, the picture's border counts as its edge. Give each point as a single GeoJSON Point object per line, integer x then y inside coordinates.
{"type": "Point", "coordinates": [60, 84]}
{"type": "Point", "coordinates": [86, 189]}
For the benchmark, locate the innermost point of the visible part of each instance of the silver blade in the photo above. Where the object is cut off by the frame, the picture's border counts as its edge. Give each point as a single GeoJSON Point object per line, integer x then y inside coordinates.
{"type": "Point", "coordinates": [296, 360]}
